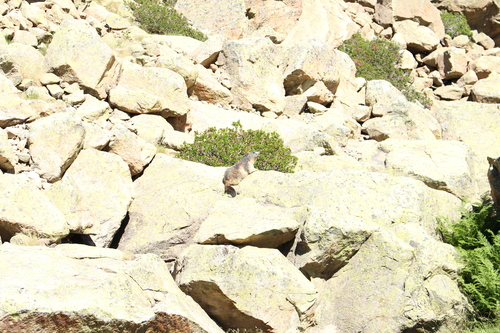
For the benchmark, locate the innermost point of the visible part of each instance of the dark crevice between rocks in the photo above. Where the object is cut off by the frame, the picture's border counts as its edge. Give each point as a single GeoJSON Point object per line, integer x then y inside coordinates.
{"type": "Point", "coordinates": [119, 233]}
{"type": "Point", "coordinates": [423, 327]}
{"type": "Point", "coordinates": [78, 239]}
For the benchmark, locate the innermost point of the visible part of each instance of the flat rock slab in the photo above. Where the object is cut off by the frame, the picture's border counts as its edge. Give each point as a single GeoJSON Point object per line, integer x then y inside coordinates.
{"type": "Point", "coordinates": [243, 221]}
{"type": "Point", "coordinates": [91, 287]}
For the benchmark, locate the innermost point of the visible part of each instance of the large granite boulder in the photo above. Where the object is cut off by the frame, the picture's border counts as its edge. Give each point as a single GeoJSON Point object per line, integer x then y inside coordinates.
{"type": "Point", "coordinates": [75, 46]}
{"type": "Point", "coordinates": [91, 287]}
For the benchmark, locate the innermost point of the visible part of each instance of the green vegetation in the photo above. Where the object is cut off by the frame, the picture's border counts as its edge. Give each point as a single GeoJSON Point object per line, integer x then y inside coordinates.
{"type": "Point", "coordinates": [486, 329]}
{"type": "Point", "coordinates": [225, 146]}
{"type": "Point", "coordinates": [477, 240]}
{"type": "Point", "coordinates": [455, 24]}
{"type": "Point", "coordinates": [160, 17]}
{"type": "Point", "coordinates": [31, 94]}
{"type": "Point", "coordinates": [379, 60]}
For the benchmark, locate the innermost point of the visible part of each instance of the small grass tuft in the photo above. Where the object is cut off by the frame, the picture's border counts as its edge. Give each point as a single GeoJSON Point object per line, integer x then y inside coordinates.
{"type": "Point", "coordinates": [225, 146]}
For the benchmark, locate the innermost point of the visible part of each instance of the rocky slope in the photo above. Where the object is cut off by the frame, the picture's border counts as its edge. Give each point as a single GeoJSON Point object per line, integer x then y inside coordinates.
{"type": "Point", "coordinates": [347, 243]}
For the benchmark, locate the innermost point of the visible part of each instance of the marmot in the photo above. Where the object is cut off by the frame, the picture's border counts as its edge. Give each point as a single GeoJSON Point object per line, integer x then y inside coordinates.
{"type": "Point", "coordinates": [494, 179]}
{"type": "Point", "coordinates": [235, 174]}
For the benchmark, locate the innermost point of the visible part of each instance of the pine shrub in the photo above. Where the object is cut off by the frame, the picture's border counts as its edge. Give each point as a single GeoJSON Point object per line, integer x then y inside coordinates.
{"type": "Point", "coordinates": [378, 60]}
{"type": "Point", "coordinates": [226, 146]}
{"type": "Point", "coordinates": [477, 239]}
{"type": "Point", "coordinates": [160, 17]}
{"type": "Point", "coordinates": [455, 24]}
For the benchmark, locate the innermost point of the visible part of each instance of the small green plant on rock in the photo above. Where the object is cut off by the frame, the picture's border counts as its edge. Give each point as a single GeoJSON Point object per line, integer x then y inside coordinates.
{"type": "Point", "coordinates": [455, 24]}
{"type": "Point", "coordinates": [477, 240]}
{"type": "Point", "coordinates": [226, 146]}
{"type": "Point", "coordinates": [379, 60]}
{"type": "Point", "coordinates": [160, 17]}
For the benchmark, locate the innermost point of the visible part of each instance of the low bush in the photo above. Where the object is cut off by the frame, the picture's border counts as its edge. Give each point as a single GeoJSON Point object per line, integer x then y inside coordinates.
{"type": "Point", "coordinates": [160, 17]}
{"type": "Point", "coordinates": [477, 240]}
{"type": "Point", "coordinates": [226, 146]}
{"type": "Point", "coordinates": [378, 60]}
{"type": "Point", "coordinates": [455, 24]}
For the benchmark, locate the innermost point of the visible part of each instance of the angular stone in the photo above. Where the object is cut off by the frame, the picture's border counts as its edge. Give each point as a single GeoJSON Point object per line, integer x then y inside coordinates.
{"type": "Point", "coordinates": [35, 14]}
{"type": "Point", "coordinates": [94, 195]}
{"type": "Point", "coordinates": [422, 11]}
{"type": "Point", "coordinates": [19, 61]}
{"type": "Point", "coordinates": [477, 125]}
{"type": "Point", "coordinates": [380, 91]}
{"type": "Point", "coordinates": [113, 291]}
{"type": "Point", "coordinates": [168, 58]}
{"type": "Point", "coordinates": [228, 19]}
{"type": "Point", "coordinates": [375, 197]}
{"type": "Point", "coordinates": [131, 148]}
{"type": "Point", "coordinates": [176, 139]}
{"type": "Point", "coordinates": [95, 136]}
{"type": "Point", "coordinates": [327, 242]}
{"type": "Point", "coordinates": [151, 127]}
{"type": "Point", "coordinates": [487, 90]}
{"type": "Point", "coordinates": [250, 224]}
{"type": "Point", "coordinates": [14, 110]}
{"type": "Point", "coordinates": [207, 53]}
{"type": "Point", "coordinates": [256, 78]}
{"type": "Point", "coordinates": [207, 88]}
{"type": "Point", "coordinates": [150, 90]}
{"type": "Point", "coordinates": [93, 109]}
{"type": "Point", "coordinates": [417, 37]}
{"type": "Point", "coordinates": [54, 143]}
{"type": "Point", "coordinates": [484, 40]}
{"type": "Point", "coordinates": [75, 46]}
{"type": "Point", "coordinates": [382, 128]}
{"type": "Point", "coordinates": [455, 63]}
{"type": "Point", "coordinates": [24, 208]}
{"type": "Point", "coordinates": [8, 158]}
{"type": "Point", "coordinates": [162, 205]}
{"type": "Point", "coordinates": [389, 285]}
{"type": "Point", "coordinates": [485, 65]}
{"type": "Point", "coordinates": [442, 165]}
{"type": "Point", "coordinates": [450, 92]}
{"type": "Point", "coordinates": [265, 290]}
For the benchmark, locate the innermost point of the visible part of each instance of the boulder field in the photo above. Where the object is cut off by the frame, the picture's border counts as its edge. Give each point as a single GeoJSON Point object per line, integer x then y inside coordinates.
{"type": "Point", "coordinates": [104, 229]}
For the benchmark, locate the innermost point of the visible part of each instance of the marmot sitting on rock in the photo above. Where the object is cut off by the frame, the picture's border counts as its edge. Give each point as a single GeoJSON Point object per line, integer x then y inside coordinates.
{"type": "Point", "coordinates": [494, 179]}
{"type": "Point", "coordinates": [235, 174]}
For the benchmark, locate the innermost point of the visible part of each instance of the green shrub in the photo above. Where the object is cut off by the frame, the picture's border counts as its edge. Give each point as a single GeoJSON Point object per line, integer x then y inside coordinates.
{"type": "Point", "coordinates": [379, 60]}
{"type": "Point", "coordinates": [161, 18]}
{"type": "Point", "coordinates": [226, 146]}
{"type": "Point", "coordinates": [477, 241]}
{"type": "Point", "coordinates": [455, 24]}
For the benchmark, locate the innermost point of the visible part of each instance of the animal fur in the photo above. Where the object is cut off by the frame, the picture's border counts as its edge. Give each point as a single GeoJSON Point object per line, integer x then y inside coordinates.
{"type": "Point", "coordinates": [494, 179]}
{"type": "Point", "coordinates": [235, 174]}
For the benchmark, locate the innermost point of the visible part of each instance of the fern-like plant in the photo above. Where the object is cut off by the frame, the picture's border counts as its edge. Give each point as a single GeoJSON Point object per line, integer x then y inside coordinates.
{"type": "Point", "coordinates": [225, 146]}
{"type": "Point", "coordinates": [477, 239]}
